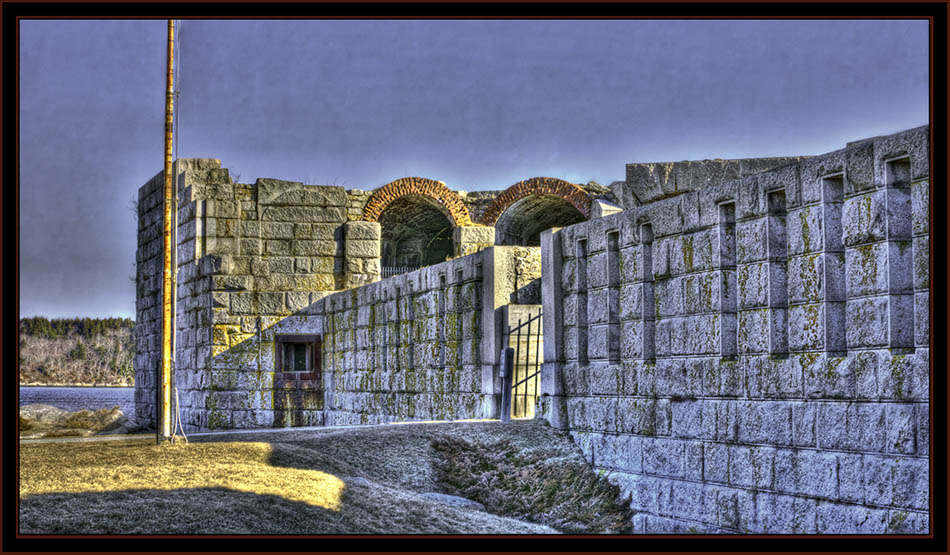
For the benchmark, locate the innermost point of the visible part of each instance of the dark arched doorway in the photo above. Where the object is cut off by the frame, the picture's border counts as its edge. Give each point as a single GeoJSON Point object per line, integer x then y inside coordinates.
{"type": "Point", "coordinates": [523, 221]}
{"type": "Point", "coordinates": [416, 232]}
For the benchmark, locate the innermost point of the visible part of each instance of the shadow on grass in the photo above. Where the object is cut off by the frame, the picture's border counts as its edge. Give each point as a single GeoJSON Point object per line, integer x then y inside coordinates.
{"type": "Point", "coordinates": [226, 487]}
{"type": "Point", "coordinates": [522, 469]}
{"type": "Point", "coordinates": [179, 511]}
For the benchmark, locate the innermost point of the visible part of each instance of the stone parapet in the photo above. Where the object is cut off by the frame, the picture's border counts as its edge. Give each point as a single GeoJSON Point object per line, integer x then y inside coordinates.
{"type": "Point", "coordinates": [772, 372]}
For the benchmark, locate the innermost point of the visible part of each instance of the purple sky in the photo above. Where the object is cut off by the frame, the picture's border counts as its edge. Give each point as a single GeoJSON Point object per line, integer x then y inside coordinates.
{"type": "Point", "coordinates": [477, 104]}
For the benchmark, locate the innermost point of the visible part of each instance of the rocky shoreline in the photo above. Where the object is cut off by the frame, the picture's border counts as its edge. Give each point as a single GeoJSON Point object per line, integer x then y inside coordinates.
{"type": "Point", "coordinates": [39, 421]}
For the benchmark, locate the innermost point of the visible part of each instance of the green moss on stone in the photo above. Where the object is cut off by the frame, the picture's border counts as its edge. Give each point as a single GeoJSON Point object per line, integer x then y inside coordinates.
{"type": "Point", "coordinates": [688, 252]}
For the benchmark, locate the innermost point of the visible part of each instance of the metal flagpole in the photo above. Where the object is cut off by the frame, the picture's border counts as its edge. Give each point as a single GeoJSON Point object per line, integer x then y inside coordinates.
{"type": "Point", "coordinates": [166, 273]}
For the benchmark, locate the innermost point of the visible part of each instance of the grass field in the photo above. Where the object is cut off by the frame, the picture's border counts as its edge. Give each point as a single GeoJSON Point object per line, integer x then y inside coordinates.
{"type": "Point", "coordinates": [530, 478]}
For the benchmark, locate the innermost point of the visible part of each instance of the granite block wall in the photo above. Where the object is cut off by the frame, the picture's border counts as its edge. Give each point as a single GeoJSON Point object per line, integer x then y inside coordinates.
{"type": "Point", "coordinates": [422, 345]}
{"type": "Point", "coordinates": [752, 356]}
{"type": "Point", "coordinates": [148, 300]}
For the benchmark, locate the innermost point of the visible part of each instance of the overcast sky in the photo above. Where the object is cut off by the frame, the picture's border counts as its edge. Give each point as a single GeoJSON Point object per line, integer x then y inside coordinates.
{"type": "Point", "coordinates": [476, 104]}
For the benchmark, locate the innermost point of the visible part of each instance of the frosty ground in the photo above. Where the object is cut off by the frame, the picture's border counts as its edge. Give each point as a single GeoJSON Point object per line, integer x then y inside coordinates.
{"type": "Point", "coordinates": [521, 477]}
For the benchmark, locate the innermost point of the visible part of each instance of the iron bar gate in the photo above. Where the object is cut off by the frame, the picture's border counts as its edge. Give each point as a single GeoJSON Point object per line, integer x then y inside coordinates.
{"type": "Point", "coordinates": [522, 368]}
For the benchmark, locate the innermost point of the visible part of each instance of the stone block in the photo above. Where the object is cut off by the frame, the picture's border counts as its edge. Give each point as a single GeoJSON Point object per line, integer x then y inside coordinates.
{"type": "Point", "coordinates": [313, 248]}
{"type": "Point", "coordinates": [751, 241]}
{"type": "Point", "coordinates": [716, 462]}
{"type": "Point", "coordinates": [569, 276]}
{"type": "Point", "coordinates": [751, 201]}
{"type": "Point", "coordinates": [276, 230]}
{"type": "Point", "coordinates": [597, 312]}
{"type": "Point", "coordinates": [242, 303]}
{"type": "Point", "coordinates": [765, 422]}
{"type": "Point", "coordinates": [701, 293]}
{"type": "Point", "coordinates": [920, 207]}
{"type": "Point", "coordinates": [662, 330]}
{"type": "Point", "coordinates": [269, 303]}
{"type": "Point", "coordinates": [864, 218]}
{"type": "Point", "coordinates": [668, 296]}
{"type": "Point", "coordinates": [900, 482]}
{"type": "Point", "coordinates": [695, 502]}
{"type": "Point", "coordinates": [851, 426]}
{"type": "Point", "coordinates": [356, 248]}
{"type": "Point", "coordinates": [631, 264]}
{"type": "Point", "coordinates": [859, 166]}
{"type": "Point", "coordinates": [904, 377]}
{"type": "Point", "coordinates": [804, 415]}
{"type": "Point", "coordinates": [913, 144]}
{"type": "Point", "coordinates": [921, 263]}
{"type": "Point", "coordinates": [631, 302]}
{"type": "Point", "coordinates": [597, 270]}
{"type": "Point", "coordinates": [725, 424]}
{"type": "Point", "coordinates": [663, 417]}
{"type": "Point", "coordinates": [751, 467]}
{"type": "Point", "coordinates": [753, 331]}
{"type": "Point", "coordinates": [851, 477]}
{"type": "Point", "coordinates": [836, 518]}
{"type": "Point", "coordinates": [692, 252]}
{"type": "Point", "coordinates": [814, 169]}
{"type": "Point", "coordinates": [901, 432]}
{"type": "Point", "coordinates": [805, 230]}
{"type": "Point", "coordinates": [806, 278]}
{"type": "Point", "coordinates": [597, 342]}
{"type": "Point", "coordinates": [724, 378]}
{"type": "Point", "coordinates": [359, 230]}
{"type": "Point", "coordinates": [687, 421]}
{"type": "Point", "coordinates": [604, 379]}
{"type": "Point", "coordinates": [868, 319]}
{"type": "Point", "coordinates": [923, 428]}
{"type": "Point", "coordinates": [753, 285]}
{"type": "Point", "coordinates": [663, 457]}
{"type": "Point", "coordinates": [807, 327]}
{"type": "Point", "coordinates": [813, 473]}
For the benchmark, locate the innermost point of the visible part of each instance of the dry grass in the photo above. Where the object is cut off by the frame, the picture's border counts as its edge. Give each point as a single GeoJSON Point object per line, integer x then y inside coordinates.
{"type": "Point", "coordinates": [353, 481]}
{"type": "Point", "coordinates": [541, 486]}
{"type": "Point", "coordinates": [122, 466]}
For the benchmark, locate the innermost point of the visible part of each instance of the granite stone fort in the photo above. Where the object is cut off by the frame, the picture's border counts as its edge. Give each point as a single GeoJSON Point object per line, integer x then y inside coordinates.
{"type": "Point", "coordinates": [741, 345]}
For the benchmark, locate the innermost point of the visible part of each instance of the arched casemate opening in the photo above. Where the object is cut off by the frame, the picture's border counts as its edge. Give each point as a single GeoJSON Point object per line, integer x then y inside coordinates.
{"type": "Point", "coordinates": [416, 216]}
{"type": "Point", "coordinates": [527, 208]}
{"type": "Point", "coordinates": [415, 233]}
{"type": "Point", "coordinates": [522, 222]}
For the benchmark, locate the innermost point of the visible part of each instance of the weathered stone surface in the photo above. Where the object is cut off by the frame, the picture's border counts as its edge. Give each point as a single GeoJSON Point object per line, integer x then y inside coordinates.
{"type": "Point", "coordinates": [815, 421]}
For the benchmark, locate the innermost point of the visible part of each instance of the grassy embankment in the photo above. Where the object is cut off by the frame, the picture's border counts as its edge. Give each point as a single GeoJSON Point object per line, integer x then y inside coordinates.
{"type": "Point", "coordinates": [76, 351]}
{"type": "Point", "coordinates": [529, 477]}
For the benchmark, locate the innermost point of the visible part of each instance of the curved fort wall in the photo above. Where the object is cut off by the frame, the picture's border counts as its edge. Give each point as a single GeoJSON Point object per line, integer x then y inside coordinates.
{"type": "Point", "coordinates": [752, 355]}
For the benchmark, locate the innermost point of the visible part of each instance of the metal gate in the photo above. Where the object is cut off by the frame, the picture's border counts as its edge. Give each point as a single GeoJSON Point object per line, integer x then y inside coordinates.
{"type": "Point", "coordinates": [522, 368]}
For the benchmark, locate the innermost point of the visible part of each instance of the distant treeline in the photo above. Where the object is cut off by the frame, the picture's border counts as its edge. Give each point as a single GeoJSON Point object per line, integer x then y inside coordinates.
{"type": "Point", "coordinates": [88, 328]}
{"type": "Point", "coordinates": [87, 351]}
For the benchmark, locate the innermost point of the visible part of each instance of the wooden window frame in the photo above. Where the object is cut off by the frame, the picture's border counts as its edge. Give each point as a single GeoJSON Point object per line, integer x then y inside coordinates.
{"type": "Point", "coordinates": [313, 342]}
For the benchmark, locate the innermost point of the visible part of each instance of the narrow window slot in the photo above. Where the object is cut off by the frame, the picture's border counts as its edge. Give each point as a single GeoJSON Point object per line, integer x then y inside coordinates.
{"type": "Point", "coordinates": [778, 275]}
{"type": "Point", "coordinates": [900, 254]}
{"type": "Point", "coordinates": [582, 330]}
{"type": "Point", "coordinates": [832, 191]}
{"type": "Point", "coordinates": [442, 321]}
{"type": "Point", "coordinates": [613, 296]}
{"type": "Point", "coordinates": [649, 298]}
{"type": "Point", "coordinates": [399, 325]}
{"type": "Point", "coordinates": [728, 287]}
{"type": "Point", "coordinates": [410, 322]}
{"type": "Point", "coordinates": [458, 315]}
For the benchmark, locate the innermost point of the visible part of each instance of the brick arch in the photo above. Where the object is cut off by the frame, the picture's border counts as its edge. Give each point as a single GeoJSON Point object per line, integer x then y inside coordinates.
{"type": "Point", "coordinates": [447, 199]}
{"type": "Point", "coordinates": [568, 191]}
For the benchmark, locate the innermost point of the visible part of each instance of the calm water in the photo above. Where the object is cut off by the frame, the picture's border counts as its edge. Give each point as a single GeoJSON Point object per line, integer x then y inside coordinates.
{"type": "Point", "coordinates": [78, 398]}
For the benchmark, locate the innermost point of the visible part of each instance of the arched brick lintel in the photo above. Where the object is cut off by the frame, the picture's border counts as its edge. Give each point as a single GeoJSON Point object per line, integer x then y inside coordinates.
{"type": "Point", "coordinates": [568, 191]}
{"type": "Point", "coordinates": [446, 198]}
